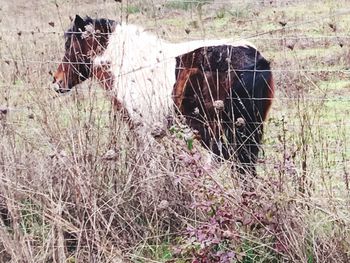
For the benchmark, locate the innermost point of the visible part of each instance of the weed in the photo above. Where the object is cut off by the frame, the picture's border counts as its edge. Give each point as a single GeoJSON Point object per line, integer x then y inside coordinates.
{"type": "Point", "coordinates": [220, 14]}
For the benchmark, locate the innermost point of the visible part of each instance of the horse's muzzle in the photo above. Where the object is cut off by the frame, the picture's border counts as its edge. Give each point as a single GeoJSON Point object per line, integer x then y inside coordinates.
{"type": "Point", "coordinates": [59, 87]}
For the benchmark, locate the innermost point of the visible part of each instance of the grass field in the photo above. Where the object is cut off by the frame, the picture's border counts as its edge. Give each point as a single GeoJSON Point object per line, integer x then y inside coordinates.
{"type": "Point", "coordinates": [77, 186]}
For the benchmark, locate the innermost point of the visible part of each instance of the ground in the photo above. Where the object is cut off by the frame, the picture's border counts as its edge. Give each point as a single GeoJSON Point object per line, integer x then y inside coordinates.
{"type": "Point", "coordinates": [306, 142]}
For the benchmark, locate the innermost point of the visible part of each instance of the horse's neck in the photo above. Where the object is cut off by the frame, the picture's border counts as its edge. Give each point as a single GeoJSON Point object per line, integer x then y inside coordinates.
{"type": "Point", "coordinates": [143, 73]}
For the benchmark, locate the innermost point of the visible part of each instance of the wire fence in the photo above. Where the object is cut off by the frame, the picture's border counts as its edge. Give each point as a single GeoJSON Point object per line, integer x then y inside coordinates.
{"type": "Point", "coordinates": [151, 65]}
{"type": "Point", "coordinates": [266, 35]}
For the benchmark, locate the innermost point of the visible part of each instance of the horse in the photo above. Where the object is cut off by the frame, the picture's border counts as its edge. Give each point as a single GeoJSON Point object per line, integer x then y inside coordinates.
{"type": "Point", "coordinates": [151, 78]}
{"type": "Point", "coordinates": [240, 78]}
{"type": "Point", "coordinates": [84, 40]}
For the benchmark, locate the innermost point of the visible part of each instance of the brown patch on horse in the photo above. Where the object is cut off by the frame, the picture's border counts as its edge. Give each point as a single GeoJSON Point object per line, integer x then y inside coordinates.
{"type": "Point", "coordinates": [181, 85]}
{"type": "Point", "coordinates": [104, 76]}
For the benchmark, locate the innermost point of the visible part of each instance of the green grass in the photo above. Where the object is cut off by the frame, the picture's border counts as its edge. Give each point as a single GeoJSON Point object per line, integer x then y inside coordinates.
{"type": "Point", "coordinates": [132, 9]}
{"type": "Point", "coordinates": [179, 5]}
{"type": "Point", "coordinates": [159, 253]}
{"type": "Point", "coordinates": [334, 87]}
{"type": "Point", "coordinates": [176, 22]}
{"type": "Point", "coordinates": [336, 110]}
{"type": "Point", "coordinates": [255, 252]}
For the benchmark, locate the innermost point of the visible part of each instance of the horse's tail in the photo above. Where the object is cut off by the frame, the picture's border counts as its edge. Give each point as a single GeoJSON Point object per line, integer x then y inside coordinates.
{"type": "Point", "coordinates": [268, 86]}
{"type": "Point", "coordinates": [260, 79]}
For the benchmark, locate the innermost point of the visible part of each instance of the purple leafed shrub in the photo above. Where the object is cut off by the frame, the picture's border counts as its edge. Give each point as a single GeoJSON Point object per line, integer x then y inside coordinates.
{"type": "Point", "coordinates": [229, 212]}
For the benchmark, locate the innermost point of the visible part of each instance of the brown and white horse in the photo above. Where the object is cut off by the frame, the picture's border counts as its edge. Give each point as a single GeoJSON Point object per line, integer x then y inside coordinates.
{"type": "Point", "coordinates": [223, 89]}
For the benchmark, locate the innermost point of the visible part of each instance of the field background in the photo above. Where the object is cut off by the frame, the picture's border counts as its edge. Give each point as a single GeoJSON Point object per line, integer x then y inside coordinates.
{"type": "Point", "coordinates": [75, 186]}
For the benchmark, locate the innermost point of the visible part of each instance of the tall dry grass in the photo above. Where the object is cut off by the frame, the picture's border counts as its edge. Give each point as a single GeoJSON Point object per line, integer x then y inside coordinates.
{"type": "Point", "coordinates": [77, 186]}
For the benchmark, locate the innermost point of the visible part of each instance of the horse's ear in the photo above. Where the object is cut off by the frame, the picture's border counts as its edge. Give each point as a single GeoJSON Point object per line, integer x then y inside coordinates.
{"type": "Point", "coordinates": [79, 23]}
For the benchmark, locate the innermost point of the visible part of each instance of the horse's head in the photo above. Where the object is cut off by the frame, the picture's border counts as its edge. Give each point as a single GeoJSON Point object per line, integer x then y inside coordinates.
{"type": "Point", "coordinates": [85, 39]}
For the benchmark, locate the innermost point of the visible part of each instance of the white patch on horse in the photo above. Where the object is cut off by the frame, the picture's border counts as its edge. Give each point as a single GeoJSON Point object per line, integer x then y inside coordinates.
{"type": "Point", "coordinates": [143, 67]}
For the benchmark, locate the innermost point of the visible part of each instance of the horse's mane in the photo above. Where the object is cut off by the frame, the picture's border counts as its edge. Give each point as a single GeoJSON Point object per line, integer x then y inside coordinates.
{"type": "Point", "coordinates": [106, 26]}
{"type": "Point", "coordinates": [130, 46]}
{"type": "Point", "coordinates": [100, 22]}
{"type": "Point", "coordinates": [136, 31]}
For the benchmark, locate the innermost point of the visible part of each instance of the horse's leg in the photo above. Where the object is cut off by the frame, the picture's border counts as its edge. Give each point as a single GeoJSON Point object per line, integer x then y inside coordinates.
{"type": "Point", "coordinates": [214, 89]}
{"type": "Point", "coordinates": [125, 116]}
{"type": "Point", "coordinates": [249, 102]}
{"type": "Point", "coordinates": [104, 76]}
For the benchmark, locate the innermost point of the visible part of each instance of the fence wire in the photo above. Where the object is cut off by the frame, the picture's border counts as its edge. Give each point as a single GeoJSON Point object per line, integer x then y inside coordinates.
{"type": "Point", "coordinates": [267, 35]}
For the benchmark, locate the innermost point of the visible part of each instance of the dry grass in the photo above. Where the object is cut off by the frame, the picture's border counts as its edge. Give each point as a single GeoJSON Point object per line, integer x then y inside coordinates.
{"type": "Point", "coordinates": [76, 186]}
